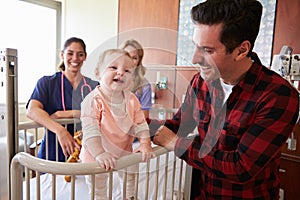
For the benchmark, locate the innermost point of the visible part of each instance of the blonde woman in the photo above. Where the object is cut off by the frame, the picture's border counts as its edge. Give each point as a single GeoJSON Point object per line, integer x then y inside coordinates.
{"type": "Point", "coordinates": [141, 87]}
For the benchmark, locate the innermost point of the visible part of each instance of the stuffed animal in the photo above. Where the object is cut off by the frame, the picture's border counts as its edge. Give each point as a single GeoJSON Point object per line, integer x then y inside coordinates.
{"type": "Point", "coordinates": [74, 157]}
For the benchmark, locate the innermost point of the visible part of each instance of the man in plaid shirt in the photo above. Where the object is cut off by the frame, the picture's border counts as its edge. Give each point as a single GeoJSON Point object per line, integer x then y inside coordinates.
{"type": "Point", "coordinates": [243, 112]}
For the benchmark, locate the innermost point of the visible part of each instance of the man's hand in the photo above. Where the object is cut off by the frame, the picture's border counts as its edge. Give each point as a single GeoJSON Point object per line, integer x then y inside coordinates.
{"type": "Point", "coordinates": [165, 137]}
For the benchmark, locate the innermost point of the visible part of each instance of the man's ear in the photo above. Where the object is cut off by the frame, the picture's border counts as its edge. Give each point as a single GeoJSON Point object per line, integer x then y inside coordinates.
{"type": "Point", "coordinates": [243, 50]}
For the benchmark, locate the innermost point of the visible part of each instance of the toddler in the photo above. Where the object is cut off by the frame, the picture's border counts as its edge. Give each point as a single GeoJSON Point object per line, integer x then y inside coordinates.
{"type": "Point", "coordinates": [111, 118]}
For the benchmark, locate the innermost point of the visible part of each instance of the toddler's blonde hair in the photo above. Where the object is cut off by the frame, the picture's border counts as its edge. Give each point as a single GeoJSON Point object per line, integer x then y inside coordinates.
{"type": "Point", "coordinates": [103, 62]}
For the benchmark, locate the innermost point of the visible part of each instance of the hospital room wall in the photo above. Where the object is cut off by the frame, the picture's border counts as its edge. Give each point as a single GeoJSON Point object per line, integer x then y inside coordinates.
{"type": "Point", "coordinates": [95, 21]}
{"type": "Point", "coordinates": [287, 28]}
{"type": "Point", "coordinates": [99, 22]}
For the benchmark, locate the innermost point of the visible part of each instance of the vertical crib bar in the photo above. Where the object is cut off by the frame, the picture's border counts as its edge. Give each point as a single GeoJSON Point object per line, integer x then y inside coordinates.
{"type": "Point", "coordinates": [180, 179]}
{"type": "Point", "coordinates": [34, 149]}
{"type": "Point", "coordinates": [56, 149]}
{"type": "Point", "coordinates": [38, 185]}
{"type": "Point", "coordinates": [47, 143]}
{"type": "Point", "coordinates": [75, 127]}
{"type": "Point", "coordinates": [53, 186]}
{"type": "Point", "coordinates": [166, 176]}
{"type": "Point", "coordinates": [147, 180]}
{"type": "Point", "coordinates": [36, 142]}
{"type": "Point", "coordinates": [93, 186]}
{"type": "Point", "coordinates": [110, 179]}
{"type": "Point", "coordinates": [136, 183]}
{"type": "Point", "coordinates": [187, 181]}
{"type": "Point", "coordinates": [124, 183]}
{"type": "Point", "coordinates": [27, 178]}
{"type": "Point", "coordinates": [157, 176]}
{"type": "Point", "coordinates": [173, 178]}
{"type": "Point", "coordinates": [72, 187]}
{"type": "Point", "coordinates": [25, 141]}
{"type": "Point", "coordinates": [57, 144]}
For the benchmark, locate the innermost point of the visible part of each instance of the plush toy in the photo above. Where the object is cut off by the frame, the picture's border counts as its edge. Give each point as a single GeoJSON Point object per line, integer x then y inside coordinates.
{"type": "Point", "coordinates": [74, 157]}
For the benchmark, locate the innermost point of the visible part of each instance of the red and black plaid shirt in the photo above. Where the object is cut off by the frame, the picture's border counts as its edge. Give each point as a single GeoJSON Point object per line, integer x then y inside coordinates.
{"type": "Point", "coordinates": [236, 152]}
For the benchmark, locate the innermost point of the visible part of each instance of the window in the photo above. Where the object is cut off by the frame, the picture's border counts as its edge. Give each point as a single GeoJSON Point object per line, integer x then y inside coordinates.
{"type": "Point", "coordinates": [32, 27]}
{"type": "Point", "coordinates": [263, 44]}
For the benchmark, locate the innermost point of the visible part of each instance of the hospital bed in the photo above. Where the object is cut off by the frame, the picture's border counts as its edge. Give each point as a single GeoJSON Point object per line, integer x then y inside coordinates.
{"type": "Point", "coordinates": [163, 177]}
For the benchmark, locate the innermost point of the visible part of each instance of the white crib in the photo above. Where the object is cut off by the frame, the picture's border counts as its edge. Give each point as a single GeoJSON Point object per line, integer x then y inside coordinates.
{"type": "Point", "coordinates": [163, 177]}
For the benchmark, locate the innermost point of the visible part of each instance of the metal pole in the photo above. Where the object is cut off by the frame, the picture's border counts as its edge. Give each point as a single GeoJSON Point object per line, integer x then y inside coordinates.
{"type": "Point", "coordinates": [9, 103]}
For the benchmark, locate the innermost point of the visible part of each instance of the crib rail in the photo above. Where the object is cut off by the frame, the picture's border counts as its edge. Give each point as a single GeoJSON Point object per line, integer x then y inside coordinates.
{"type": "Point", "coordinates": [31, 124]}
{"type": "Point", "coordinates": [26, 160]}
{"type": "Point", "coordinates": [30, 131]}
{"type": "Point", "coordinates": [24, 163]}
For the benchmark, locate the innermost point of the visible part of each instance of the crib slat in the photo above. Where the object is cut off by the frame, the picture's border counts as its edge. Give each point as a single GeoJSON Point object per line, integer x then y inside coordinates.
{"type": "Point", "coordinates": [56, 149]}
{"type": "Point", "coordinates": [173, 177]}
{"type": "Point", "coordinates": [72, 187]}
{"type": "Point", "coordinates": [110, 179]}
{"type": "Point", "coordinates": [27, 178]}
{"type": "Point", "coordinates": [147, 180]}
{"type": "Point", "coordinates": [25, 141]}
{"type": "Point", "coordinates": [36, 142]}
{"type": "Point", "coordinates": [156, 176]}
{"type": "Point", "coordinates": [180, 179]}
{"type": "Point", "coordinates": [124, 183]}
{"type": "Point", "coordinates": [187, 182]}
{"type": "Point", "coordinates": [47, 145]}
{"type": "Point", "coordinates": [93, 186]}
{"type": "Point", "coordinates": [136, 184]}
{"type": "Point", "coordinates": [38, 185]}
{"type": "Point", "coordinates": [53, 186]}
{"type": "Point", "coordinates": [166, 176]}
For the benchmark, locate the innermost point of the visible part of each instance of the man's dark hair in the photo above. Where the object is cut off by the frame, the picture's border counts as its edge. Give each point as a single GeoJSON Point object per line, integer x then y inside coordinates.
{"type": "Point", "coordinates": [240, 19]}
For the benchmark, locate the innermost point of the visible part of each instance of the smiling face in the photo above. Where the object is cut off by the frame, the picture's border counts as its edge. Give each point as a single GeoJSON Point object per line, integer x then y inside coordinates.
{"type": "Point", "coordinates": [211, 54]}
{"type": "Point", "coordinates": [118, 74]}
{"type": "Point", "coordinates": [73, 57]}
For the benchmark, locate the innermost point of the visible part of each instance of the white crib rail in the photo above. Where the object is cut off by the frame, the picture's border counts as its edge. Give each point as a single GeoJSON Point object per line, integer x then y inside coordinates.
{"type": "Point", "coordinates": [31, 128]}
{"type": "Point", "coordinates": [60, 168]}
{"type": "Point", "coordinates": [25, 162]}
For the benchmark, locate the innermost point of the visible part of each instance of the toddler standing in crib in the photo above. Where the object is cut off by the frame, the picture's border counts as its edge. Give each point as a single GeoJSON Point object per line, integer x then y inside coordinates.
{"type": "Point", "coordinates": [111, 118]}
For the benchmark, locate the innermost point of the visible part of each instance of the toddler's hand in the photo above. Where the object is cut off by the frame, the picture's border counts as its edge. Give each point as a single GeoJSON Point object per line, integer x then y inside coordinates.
{"type": "Point", "coordinates": [146, 150]}
{"type": "Point", "coordinates": [106, 161]}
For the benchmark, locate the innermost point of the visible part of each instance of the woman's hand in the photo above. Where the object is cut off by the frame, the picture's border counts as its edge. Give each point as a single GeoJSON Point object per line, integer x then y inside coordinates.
{"type": "Point", "coordinates": [67, 142]}
{"type": "Point", "coordinates": [37, 113]}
